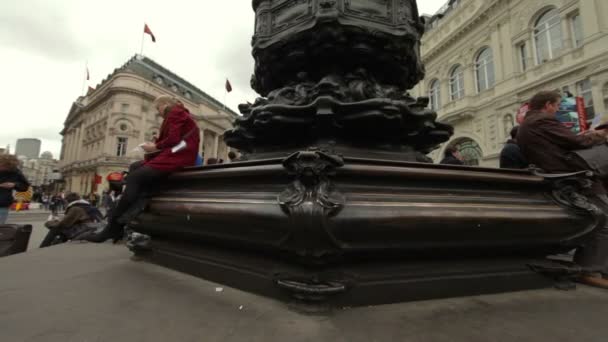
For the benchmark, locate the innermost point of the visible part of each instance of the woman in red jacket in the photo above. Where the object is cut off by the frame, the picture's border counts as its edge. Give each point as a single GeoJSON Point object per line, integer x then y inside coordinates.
{"type": "Point", "coordinates": [176, 147]}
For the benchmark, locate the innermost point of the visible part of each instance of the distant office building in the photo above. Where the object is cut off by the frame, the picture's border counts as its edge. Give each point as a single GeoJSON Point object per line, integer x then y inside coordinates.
{"type": "Point", "coordinates": [39, 171]}
{"type": "Point", "coordinates": [29, 148]}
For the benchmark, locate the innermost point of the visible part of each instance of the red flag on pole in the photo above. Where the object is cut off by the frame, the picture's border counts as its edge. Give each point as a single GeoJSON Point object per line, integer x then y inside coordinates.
{"type": "Point", "coordinates": [148, 31]}
{"type": "Point", "coordinates": [228, 86]}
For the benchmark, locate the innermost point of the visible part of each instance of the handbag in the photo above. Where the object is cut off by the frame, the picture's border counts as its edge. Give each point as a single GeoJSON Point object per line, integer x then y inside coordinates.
{"type": "Point", "coordinates": [596, 159]}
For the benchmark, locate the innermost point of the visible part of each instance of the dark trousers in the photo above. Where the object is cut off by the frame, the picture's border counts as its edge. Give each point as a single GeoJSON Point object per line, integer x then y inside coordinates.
{"type": "Point", "coordinates": [50, 237]}
{"type": "Point", "coordinates": [140, 178]}
{"type": "Point", "coordinates": [594, 252]}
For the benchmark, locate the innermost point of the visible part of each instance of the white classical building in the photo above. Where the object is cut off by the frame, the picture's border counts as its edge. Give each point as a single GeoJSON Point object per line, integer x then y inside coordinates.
{"type": "Point", "coordinates": [104, 127]}
{"type": "Point", "coordinates": [484, 58]}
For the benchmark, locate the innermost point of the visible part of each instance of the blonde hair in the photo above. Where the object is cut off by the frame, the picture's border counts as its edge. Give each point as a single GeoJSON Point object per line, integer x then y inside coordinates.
{"type": "Point", "coordinates": [170, 101]}
{"type": "Point", "coordinates": [9, 161]}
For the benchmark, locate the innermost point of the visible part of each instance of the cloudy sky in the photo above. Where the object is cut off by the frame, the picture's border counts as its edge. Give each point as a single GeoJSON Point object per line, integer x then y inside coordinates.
{"type": "Point", "coordinates": [44, 45]}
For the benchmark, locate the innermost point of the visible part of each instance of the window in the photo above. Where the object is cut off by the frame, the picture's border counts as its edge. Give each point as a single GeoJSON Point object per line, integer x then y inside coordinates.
{"type": "Point", "coordinates": [124, 127]}
{"type": "Point", "coordinates": [434, 95]}
{"type": "Point", "coordinates": [174, 87]}
{"type": "Point", "coordinates": [121, 148]}
{"type": "Point", "coordinates": [577, 30]}
{"type": "Point", "coordinates": [188, 95]}
{"type": "Point", "coordinates": [457, 83]}
{"type": "Point", "coordinates": [159, 80]}
{"type": "Point", "coordinates": [124, 107]}
{"type": "Point", "coordinates": [523, 56]}
{"type": "Point", "coordinates": [548, 36]}
{"type": "Point", "coordinates": [585, 91]}
{"type": "Point", "coordinates": [484, 70]}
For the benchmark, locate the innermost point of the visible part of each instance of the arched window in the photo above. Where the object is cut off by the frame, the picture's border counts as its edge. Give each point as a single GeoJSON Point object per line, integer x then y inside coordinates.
{"type": "Point", "coordinates": [484, 70]}
{"type": "Point", "coordinates": [507, 125]}
{"type": "Point", "coordinates": [548, 36]}
{"type": "Point", "coordinates": [456, 83]}
{"type": "Point", "coordinates": [469, 150]}
{"type": "Point", "coordinates": [435, 95]}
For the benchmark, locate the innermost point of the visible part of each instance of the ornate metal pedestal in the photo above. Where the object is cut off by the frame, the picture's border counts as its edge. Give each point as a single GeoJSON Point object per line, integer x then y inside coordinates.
{"type": "Point", "coordinates": [333, 203]}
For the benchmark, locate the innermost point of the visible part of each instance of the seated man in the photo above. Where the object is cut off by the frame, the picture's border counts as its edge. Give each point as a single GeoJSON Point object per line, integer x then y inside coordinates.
{"type": "Point", "coordinates": [511, 156]}
{"type": "Point", "coordinates": [546, 143]}
{"type": "Point", "coordinates": [452, 157]}
{"type": "Point", "coordinates": [175, 148]}
{"type": "Point", "coordinates": [78, 219]}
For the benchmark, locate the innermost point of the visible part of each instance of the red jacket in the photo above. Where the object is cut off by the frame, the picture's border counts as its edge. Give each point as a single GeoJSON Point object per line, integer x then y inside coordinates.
{"type": "Point", "coordinates": [177, 126]}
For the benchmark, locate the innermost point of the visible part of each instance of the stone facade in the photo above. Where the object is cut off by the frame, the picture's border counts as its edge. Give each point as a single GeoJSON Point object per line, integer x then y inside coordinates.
{"type": "Point", "coordinates": [105, 126]}
{"type": "Point", "coordinates": [484, 58]}
{"type": "Point", "coordinates": [39, 171]}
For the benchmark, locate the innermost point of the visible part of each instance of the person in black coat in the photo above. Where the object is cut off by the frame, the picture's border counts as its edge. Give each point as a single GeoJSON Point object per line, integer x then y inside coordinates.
{"type": "Point", "coordinates": [11, 179]}
{"type": "Point", "coordinates": [511, 156]}
{"type": "Point", "coordinates": [452, 157]}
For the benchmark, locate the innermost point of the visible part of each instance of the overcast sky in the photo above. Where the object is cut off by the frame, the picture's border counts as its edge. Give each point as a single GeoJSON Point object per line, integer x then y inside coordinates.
{"type": "Point", "coordinates": [44, 45]}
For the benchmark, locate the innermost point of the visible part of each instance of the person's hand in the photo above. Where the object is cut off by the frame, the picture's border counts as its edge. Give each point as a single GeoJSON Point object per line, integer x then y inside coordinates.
{"type": "Point", "coordinates": [149, 147]}
{"type": "Point", "coordinates": [7, 185]}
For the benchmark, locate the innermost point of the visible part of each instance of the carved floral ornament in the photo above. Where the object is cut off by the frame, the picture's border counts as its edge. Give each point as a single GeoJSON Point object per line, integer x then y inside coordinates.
{"type": "Point", "coordinates": [337, 69]}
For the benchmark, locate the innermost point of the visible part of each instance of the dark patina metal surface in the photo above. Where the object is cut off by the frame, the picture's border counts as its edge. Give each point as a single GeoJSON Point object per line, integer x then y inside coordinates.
{"type": "Point", "coordinates": [333, 204]}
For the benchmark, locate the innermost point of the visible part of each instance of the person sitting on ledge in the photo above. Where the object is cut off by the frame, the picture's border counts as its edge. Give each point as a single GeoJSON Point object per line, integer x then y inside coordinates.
{"type": "Point", "coordinates": [452, 157]}
{"type": "Point", "coordinates": [78, 220]}
{"type": "Point", "coordinates": [511, 156]}
{"type": "Point", "coordinates": [546, 143]}
{"type": "Point", "coordinates": [175, 148]}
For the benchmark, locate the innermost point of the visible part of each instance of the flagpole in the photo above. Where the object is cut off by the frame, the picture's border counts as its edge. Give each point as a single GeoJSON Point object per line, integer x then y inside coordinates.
{"type": "Point", "coordinates": [84, 79]}
{"type": "Point", "coordinates": [141, 50]}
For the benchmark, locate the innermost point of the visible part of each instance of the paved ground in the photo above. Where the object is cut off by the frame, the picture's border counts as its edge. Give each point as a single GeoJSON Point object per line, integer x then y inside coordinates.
{"type": "Point", "coordinates": [86, 292]}
{"type": "Point", "coordinates": [34, 217]}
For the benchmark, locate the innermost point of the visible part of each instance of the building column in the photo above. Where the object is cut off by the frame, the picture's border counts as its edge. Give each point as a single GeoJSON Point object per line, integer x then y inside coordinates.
{"type": "Point", "coordinates": [216, 145]}
{"type": "Point", "coordinates": [497, 55]}
{"type": "Point", "coordinates": [470, 88]}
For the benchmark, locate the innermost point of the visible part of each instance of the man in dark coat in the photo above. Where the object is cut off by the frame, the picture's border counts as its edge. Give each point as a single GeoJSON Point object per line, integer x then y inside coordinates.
{"type": "Point", "coordinates": [10, 179]}
{"type": "Point", "coordinates": [511, 156]}
{"type": "Point", "coordinates": [78, 219]}
{"type": "Point", "coordinates": [546, 143]}
{"type": "Point", "coordinates": [452, 157]}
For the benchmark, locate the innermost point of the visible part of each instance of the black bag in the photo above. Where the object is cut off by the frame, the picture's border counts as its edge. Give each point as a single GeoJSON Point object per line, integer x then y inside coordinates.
{"type": "Point", "coordinates": [596, 159]}
{"type": "Point", "coordinates": [14, 238]}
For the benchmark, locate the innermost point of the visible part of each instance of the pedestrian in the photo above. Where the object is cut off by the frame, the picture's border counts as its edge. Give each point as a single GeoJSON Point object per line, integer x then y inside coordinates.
{"type": "Point", "coordinates": [11, 179]}
{"type": "Point", "coordinates": [511, 156]}
{"type": "Point", "coordinates": [547, 143]}
{"type": "Point", "coordinates": [451, 156]}
{"type": "Point", "coordinates": [93, 199]}
{"type": "Point", "coordinates": [45, 201]}
{"type": "Point", "coordinates": [79, 219]}
{"type": "Point", "coordinates": [176, 148]}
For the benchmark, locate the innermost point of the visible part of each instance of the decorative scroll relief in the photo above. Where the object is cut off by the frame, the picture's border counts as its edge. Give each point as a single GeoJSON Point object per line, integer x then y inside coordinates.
{"type": "Point", "coordinates": [404, 12]}
{"type": "Point", "coordinates": [369, 8]}
{"type": "Point", "coordinates": [288, 13]}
